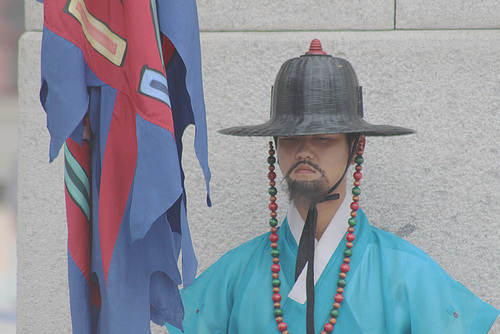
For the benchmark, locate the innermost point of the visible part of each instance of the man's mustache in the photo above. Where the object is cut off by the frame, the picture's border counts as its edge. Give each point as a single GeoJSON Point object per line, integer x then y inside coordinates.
{"type": "Point", "coordinates": [305, 162]}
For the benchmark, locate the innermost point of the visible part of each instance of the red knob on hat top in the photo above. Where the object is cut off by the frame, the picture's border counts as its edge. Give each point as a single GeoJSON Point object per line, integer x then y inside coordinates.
{"type": "Point", "coordinates": [315, 48]}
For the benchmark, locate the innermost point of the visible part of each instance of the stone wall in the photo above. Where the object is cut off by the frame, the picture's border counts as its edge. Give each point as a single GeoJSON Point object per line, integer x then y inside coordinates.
{"type": "Point", "coordinates": [432, 66]}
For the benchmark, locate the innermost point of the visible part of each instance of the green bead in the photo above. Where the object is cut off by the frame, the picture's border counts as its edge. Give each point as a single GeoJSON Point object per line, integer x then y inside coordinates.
{"type": "Point", "coordinates": [275, 252]}
{"type": "Point", "coordinates": [341, 282]}
{"type": "Point", "coordinates": [348, 252]}
{"type": "Point", "coordinates": [271, 160]}
{"type": "Point", "coordinates": [276, 282]}
{"type": "Point", "coordinates": [278, 312]}
{"type": "Point", "coordinates": [359, 160]}
{"type": "Point", "coordinates": [352, 221]}
{"type": "Point", "coordinates": [356, 191]}
{"type": "Point", "coordinates": [273, 222]}
{"type": "Point", "coordinates": [334, 313]}
{"type": "Point", "coordinates": [273, 191]}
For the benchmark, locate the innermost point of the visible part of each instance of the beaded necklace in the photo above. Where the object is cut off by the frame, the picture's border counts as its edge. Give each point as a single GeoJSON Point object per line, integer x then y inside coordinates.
{"type": "Point", "coordinates": [273, 237]}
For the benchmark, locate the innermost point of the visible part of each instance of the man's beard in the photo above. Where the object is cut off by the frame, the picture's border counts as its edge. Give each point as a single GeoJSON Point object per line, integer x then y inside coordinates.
{"type": "Point", "coordinates": [306, 193]}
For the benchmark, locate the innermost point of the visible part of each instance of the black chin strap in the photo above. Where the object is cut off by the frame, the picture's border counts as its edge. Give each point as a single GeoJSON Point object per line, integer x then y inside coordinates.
{"type": "Point", "coordinates": [305, 252]}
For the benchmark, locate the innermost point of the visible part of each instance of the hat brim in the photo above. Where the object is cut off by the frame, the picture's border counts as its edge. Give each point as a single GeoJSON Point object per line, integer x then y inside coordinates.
{"type": "Point", "coordinates": [284, 127]}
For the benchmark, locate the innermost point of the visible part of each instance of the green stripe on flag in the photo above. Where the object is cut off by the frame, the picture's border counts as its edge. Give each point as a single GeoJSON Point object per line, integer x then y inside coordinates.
{"type": "Point", "coordinates": [77, 182]}
{"type": "Point", "coordinates": [77, 169]}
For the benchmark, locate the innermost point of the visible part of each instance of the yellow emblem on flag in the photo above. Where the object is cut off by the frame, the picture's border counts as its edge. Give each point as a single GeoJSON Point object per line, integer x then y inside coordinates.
{"type": "Point", "coordinates": [99, 35]}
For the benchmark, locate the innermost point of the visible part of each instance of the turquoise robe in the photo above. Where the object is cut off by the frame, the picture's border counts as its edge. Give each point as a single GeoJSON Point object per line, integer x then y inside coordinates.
{"type": "Point", "coordinates": [392, 287]}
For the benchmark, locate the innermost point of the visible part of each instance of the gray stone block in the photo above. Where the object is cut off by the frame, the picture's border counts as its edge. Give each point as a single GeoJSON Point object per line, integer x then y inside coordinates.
{"type": "Point", "coordinates": [217, 15]}
{"type": "Point", "coordinates": [438, 188]}
{"type": "Point", "coordinates": [452, 14]}
{"type": "Point", "coordinates": [223, 15]}
{"type": "Point", "coordinates": [33, 15]}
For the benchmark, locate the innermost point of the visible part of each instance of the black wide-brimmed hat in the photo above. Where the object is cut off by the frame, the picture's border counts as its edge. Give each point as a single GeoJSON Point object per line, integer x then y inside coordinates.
{"type": "Point", "coordinates": [316, 94]}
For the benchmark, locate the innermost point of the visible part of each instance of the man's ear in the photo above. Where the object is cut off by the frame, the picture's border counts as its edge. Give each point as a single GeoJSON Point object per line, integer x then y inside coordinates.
{"type": "Point", "coordinates": [360, 148]}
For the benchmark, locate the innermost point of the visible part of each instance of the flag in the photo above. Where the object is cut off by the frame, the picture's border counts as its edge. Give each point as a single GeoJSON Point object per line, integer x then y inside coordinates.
{"type": "Point", "coordinates": [121, 80]}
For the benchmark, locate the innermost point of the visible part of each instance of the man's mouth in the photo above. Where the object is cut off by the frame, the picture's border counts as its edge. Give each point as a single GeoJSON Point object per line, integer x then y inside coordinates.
{"type": "Point", "coordinates": [304, 167]}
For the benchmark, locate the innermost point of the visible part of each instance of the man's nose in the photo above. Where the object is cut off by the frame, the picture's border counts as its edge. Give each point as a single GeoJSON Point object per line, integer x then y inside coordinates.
{"type": "Point", "coordinates": [305, 150]}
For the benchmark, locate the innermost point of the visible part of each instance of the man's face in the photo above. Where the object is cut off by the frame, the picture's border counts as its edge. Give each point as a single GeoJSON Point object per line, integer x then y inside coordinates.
{"type": "Point", "coordinates": [311, 165]}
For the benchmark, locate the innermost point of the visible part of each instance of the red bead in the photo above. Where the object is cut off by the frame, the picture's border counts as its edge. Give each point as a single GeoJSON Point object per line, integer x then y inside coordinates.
{"type": "Point", "coordinates": [273, 206]}
{"type": "Point", "coordinates": [275, 268]}
{"type": "Point", "coordinates": [350, 237]}
{"type": "Point", "coordinates": [276, 297]}
{"type": "Point", "coordinates": [273, 237]}
{"type": "Point", "coordinates": [344, 267]}
{"type": "Point", "coordinates": [338, 298]}
{"type": "Point", "coordinates": [282, 326]}
{"type": "Point", "coordinates": [357, 176]}
{"type": "Point", "coordinates": [271, 175]}
{"type": "Point", "coordinates": [354, 206]}
{"type": "Point", "coordinates": [328, 327]}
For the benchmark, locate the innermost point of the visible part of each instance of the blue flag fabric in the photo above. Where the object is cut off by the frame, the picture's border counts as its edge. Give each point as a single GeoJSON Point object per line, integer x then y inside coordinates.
{"type": "Point", "coordinates": [120, 83]}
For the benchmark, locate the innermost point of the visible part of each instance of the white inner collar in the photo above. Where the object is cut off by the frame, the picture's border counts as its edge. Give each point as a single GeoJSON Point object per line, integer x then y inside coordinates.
{"type": "Point", "coordinates": [324, 248]}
